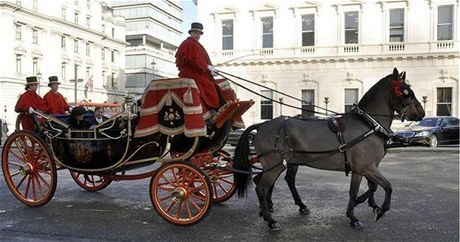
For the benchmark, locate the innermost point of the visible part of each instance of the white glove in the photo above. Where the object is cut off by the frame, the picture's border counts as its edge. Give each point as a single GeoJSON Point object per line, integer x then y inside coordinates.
{"type": "Point", "coordinates": [31, 110]}
{"type": "Point", "coordinates": [211, 68]}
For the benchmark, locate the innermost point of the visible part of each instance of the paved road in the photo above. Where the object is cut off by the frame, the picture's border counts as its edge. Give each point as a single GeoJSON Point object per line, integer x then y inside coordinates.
{"type": "Point", "coordinates": [425, 207]}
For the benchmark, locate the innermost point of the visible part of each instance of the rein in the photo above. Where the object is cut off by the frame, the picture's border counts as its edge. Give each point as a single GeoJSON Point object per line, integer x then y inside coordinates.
{"type": "Point", "coordinates": [226, 76]}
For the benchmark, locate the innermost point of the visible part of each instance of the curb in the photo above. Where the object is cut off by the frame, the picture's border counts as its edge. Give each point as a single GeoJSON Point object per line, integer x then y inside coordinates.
{"type": "Point", "coordinates": [451, 149]}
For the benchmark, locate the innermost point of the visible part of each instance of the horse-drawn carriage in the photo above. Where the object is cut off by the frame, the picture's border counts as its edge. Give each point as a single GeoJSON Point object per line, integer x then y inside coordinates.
{"type": "Point", "coordinates": [168, 127]}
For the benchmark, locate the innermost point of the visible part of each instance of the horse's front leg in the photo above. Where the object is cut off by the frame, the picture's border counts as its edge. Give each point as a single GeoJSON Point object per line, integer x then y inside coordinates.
{"type": "Point", "coordinates": [369, 194]}
{"type": "Point", "coordinates": [377, 178]}
{"type": "Point", "coordinates": [290, 180]}
{"type": "Point", "coordinates": [354, 189]}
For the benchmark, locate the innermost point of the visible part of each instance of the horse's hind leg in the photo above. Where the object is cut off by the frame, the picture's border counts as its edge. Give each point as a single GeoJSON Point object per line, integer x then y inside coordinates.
{"type": "Point", "coordinates": [290, 180]}
{"type": "Point", "coordinates": [256, 180]}
{"type": "Point", "coordinates": [266, 181]}
{"type": "Point", "coordinates": [377, 177]}
{"type": "Point", "coordinates": [354, 189]}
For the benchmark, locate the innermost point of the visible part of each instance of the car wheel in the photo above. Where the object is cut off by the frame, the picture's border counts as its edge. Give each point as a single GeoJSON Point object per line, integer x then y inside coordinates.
{"type": "Point", "coordinates": [434, 140]}
{"type": "Point", "coordinates": [251, 138]}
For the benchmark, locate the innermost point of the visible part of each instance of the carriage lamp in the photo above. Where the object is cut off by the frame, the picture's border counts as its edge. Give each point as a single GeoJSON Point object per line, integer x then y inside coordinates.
{"type": "Point", "coordinates": [424, 100]}
{"type": "Point", "coordinates": [326, 101]}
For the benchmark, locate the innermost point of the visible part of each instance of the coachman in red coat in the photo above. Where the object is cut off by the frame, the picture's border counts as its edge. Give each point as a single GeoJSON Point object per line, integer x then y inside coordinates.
{"type": "Point", "coordinates": [55, 101]}
{"type": "Point", "coordinates": [30, 101]}
{"type": "Point", "coordinates": [193, 62]}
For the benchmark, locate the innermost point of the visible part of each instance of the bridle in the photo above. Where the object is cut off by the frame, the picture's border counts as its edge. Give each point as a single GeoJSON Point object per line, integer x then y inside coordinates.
{"type": "Point", "coordinates": [402, 91]}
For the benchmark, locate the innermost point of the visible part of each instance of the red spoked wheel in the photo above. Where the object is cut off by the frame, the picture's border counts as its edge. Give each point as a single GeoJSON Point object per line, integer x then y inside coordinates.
{"type": "Point", "coordinates": [181, 193]}
{"type": "Point", "coordinates": [90, 183]}
{"type": "Point", "coordinates": [221, 176]}
{"type": "Point", "coordinates": [28, 168]}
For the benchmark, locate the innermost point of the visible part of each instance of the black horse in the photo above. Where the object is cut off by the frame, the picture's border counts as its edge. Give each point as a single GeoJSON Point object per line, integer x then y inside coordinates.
{"type": "Point", "coordinates": [352, 143]}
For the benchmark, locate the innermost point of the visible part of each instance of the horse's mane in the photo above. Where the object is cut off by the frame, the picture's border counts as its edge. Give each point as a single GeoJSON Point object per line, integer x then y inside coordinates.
{"type": "Point", "coordinates": [380, 86]}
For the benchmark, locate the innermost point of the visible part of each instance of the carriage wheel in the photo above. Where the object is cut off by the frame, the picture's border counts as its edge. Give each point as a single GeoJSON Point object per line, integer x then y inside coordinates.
{"type": "Point", "coordinates": [29, 171]}
{"type": "Point", "coordinates": [222, 179]}
{"type": "Point", "coordinates": [181, 193]}
{"type": "Point", "coordinates": [90, 183]}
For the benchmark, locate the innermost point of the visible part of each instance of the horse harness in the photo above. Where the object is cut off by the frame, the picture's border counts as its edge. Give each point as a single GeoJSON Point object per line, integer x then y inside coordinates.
{"type": "Point", "coordinates": [336, 126]}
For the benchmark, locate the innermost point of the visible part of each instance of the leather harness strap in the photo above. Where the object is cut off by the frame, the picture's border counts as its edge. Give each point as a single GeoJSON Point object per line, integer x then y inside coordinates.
{"type": "Point", "coordinates": [338, 129]}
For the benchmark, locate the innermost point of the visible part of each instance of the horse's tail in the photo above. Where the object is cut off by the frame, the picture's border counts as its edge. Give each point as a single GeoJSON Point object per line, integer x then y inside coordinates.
{"type": "Point", "coordinates": [241, 162]}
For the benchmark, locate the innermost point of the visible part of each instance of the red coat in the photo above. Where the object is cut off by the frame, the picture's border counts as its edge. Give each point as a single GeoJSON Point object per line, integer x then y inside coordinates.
{"type": "Point", "coordinates": [29, 99]}
{"type": "Point", "coordinates": [56, 102]}
{"type": "Point", "coordinates": [192, 61]}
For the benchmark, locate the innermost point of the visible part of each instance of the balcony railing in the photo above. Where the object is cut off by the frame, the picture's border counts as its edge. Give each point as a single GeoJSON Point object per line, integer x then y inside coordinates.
{"type": "Point", "coordinates": [339, 51]}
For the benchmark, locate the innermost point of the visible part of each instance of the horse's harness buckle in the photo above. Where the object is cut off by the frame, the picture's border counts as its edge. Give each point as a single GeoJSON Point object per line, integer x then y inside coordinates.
{"type": "Point", "coordinates": [343, 147]}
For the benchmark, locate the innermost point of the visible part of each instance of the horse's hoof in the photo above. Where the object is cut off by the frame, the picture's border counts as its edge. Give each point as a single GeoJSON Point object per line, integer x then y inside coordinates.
{"type": "Point", "coordinates": [377, 213]}
{"type": "Point", "coordinates": [304, 211]}
{"type": "Point", "coordinates": [357, 225]}
{"type": "Point", "coordinates": [274, 227]}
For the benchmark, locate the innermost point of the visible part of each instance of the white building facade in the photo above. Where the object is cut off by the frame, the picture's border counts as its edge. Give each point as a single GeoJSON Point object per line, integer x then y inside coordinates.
{"type": "Point", "coordinates": [74, 39]}
{"type": "Point", "coordinates": [153, 31]}
{"type": "Point", "coordinates": [329, 53]}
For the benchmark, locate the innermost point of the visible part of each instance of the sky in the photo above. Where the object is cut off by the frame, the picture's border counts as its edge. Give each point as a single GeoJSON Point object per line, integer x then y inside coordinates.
{"type": "Point", "coordinates": [188, 16]}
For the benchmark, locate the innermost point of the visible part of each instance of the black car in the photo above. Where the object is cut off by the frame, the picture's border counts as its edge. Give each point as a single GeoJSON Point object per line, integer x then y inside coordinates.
{"type": "Point", "coordinates": [442, 130]}
{"type": "Point", "coordinates": [234, 137]}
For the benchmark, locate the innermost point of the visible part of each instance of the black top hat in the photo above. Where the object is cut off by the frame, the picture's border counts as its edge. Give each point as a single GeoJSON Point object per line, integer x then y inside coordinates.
{"type": "Point", "coordinates": [31, 80]}
{"type": "Point", "coordinates": [53, 79]}
{"type": "Point", "coordinates": [198, 27]}
{"type": "Point", "coordinates": [78, 111]}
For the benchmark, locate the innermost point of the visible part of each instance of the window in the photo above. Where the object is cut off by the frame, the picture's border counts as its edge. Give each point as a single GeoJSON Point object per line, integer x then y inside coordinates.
{"type": "Point", "coordinates": [103, 28]}
{"type": "Point", "coordinates": [103, 79]}
{"type": "Point", "coordinates": [35, 65]}
{"type": "Point", "coordinates": [18, 32]}
{"type": "Point", "coordinates": [76, 15]}
{"type": "Point", "coordinates": [103, 53]}
{"type": "Point", "coordinates": [63, 71]}
{"type": "Point", "coordinates": [308, 98]}
{"type": "Point", "coordinates": [88, 49]}
{"type": "Point", "coordinates": [75, 46]}
{"type": "Point", "coordinates": [444, 101]}
{"type": "Point", "coordinates": [397, 25]}
{"type": "Point", "coordinates": [308, 30]}
{"type": "Point", "coordinates": [267, 32]}
{"type": "Point", "coordinates": [18, 64]}
{"type": "Point", "coordinates": [112, 56]}
{"type": "Point", "coordinates": [445, 22]}
{"type": "Point", "coordinates": [63, 42]}
{"type": "Point", "coordinates": [113, 32]}
{"type": "Point", "coordinates": [266, 104]}
{"type": "Point", "coordinates": [88, 21]}
{"type": "Point", "coordinates": [63, 13]}
{"type": "Point", "coordinates": [351, 27]}
{"type": "Point", "coordinates": [75, 2]}
{"type": "Point", "coordinates": [35, 5]}
{"type": "Point", "coordinates": [35, 36]}
{"type": "Point", "coordinates": [88, 5]}
{"type": "Point", "coordinates": [351, 97]}
{"type": "Point", "coordinates": [113, 82]}
{"type": "Point", "coordinates": [227, 34]}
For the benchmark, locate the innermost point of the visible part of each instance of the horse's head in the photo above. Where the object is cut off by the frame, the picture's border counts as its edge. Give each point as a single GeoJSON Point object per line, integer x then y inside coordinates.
{"type": "Point", "coordinates": [403, 99]}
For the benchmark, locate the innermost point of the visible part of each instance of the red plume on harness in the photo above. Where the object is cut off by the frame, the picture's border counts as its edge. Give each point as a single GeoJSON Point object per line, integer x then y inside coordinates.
{"type": "Point", "coordinates": [396, 85]}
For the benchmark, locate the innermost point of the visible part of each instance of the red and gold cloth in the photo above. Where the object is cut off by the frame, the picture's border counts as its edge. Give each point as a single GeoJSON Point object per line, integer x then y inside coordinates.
{"type": "Point", "coordinates": [160, 95]}
{"type": "Point", "coordinates": [192, 60]}
{"type": "Point", "coordinates": [30, 99]}
{"type": "Point", "coordinates": [56, 102]}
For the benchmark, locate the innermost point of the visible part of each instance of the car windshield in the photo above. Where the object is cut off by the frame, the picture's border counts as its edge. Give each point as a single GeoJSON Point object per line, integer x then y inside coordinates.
{"type": "Point", "coordinates": [430, 122]}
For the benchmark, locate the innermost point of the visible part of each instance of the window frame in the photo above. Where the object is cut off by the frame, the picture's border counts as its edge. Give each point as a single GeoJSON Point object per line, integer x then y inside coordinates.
{"type": "Point", "coordinates": [229, 36]}
{"type": "Point", "coordinates": [270, 35]}
{"type": "Point", "coordinates": [266, 105]}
